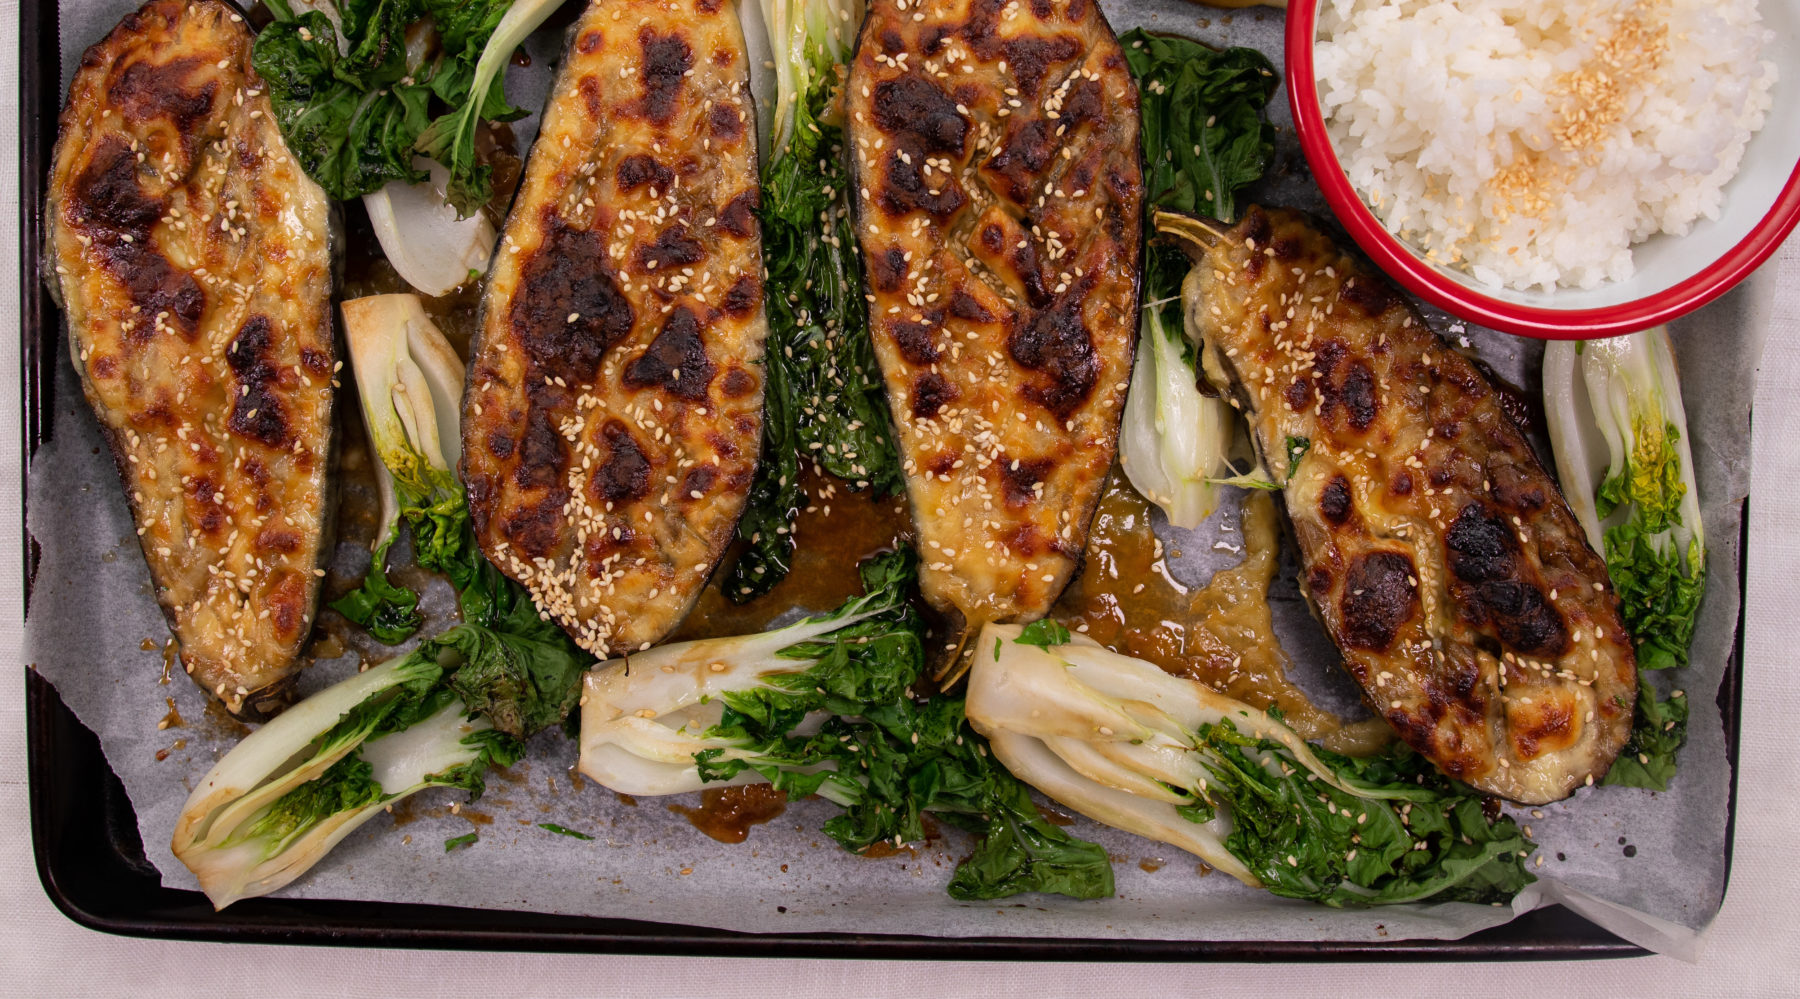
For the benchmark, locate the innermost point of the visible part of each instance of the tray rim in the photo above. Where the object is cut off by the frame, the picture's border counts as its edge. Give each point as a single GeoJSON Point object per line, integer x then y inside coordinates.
{"type": "Point", "coordinates": [63, 821]}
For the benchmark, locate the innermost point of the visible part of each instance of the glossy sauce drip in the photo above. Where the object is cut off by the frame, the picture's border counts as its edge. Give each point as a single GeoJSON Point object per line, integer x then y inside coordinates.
{"type": "Point", "coordinates": [1220, 634]}
{"type": "Point", "coordinates": [727, 813]}
{"type": "Point", "coordinates": [836, 531]}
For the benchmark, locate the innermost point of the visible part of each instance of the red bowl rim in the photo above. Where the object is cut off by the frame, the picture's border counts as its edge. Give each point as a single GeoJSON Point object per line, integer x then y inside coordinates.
{"type": "Point", "coordinates": [1527, 320]}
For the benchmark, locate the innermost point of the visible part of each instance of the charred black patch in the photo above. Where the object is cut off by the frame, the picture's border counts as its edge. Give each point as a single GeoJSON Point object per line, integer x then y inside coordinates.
{"type": "Point", "coordinates": [499, 445]}
{"type": "Point", "coordinates": [725, 122]}
{"type": "Point", "coordinates": [673, 247]}
{"type": "Point", "coordinates": [1378, 599]}
{"type": "Point", "coordinates": [1484, 558]}
{"type": "Point", "coordinates": [257, 411]}
{"type": "Point", "coordinates": [625, 474]}
{"type": "Point", "coordinates": [1082, 105]}
{"type": "Point", "coordinates": [1298, 394]}
{"type": "Point", "coordinates": [1334, 501]}
{"type": "Point", "coordinates": [667, 58]}
{"type": "Point", "coordinates": [640, 170]}
{"type": "Point", "coordinates": [1371, 296]}
{"type": "Point", "coordinates": [931, 393]}
{"type": "Point", "coordinates": [1055, 343]}
{"type": "Point", "coordinates": [147, 90]}
{"type": "Point", "coordinates": [743, 298]}
{"type": "Point", "coordinates": [913, 107]}
{"type": "Point", "coordinates": [1402, 483]}
{"type": "Point", "coordinates": [965, 306]}
{"type": "Point", "coordinates": [1030, 58]}
{"type": "Point", "coordinates": [1287, 248]}
{"type": "Point", "coordinates": [568, 309]}
{"type": "Point", "coordinates": [887, 269]}
{"type": "Point", "coordinates": [676, 361]}
{"type": "Point", "coordinates": [917, 342]}
{"type": "Point", "coordinates": [1020, 479]}
{"type": "Point", "coordinates": [904, 189]}
{"type": "Point", "coordinates": [739, 216]}
{"type": "Point", "coordinates": [535, 528]}
{"type": "Point", "coordinates": [698, 480]}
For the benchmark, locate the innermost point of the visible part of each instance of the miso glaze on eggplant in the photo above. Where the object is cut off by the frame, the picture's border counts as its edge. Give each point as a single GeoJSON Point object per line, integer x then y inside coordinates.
{"type": "Point", "coordinates": [192, 257]}
{"type": "Point", "coordinates": [999, 194]}
{"type": "Point", "coordinates": [1438, 552]}
{"type": "Point", "coordinates": [614, 407]}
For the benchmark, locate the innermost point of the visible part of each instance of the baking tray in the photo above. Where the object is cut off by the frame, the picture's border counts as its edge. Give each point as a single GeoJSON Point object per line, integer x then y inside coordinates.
{"type": "Point", "coordinates": [91, 860]}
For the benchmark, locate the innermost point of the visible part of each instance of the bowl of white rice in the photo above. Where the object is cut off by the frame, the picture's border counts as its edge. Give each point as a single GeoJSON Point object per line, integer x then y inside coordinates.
{"type": "Point", "coordinates": [1554, 168]}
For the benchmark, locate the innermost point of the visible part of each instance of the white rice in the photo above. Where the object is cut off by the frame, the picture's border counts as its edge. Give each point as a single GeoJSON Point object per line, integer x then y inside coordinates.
{"type": "Point", "coordinates": [1532, 142]}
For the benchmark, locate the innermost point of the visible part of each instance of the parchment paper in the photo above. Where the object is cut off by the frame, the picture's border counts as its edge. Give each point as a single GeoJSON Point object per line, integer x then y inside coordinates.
{"type": "Point", "coordinates": [1650, 867]}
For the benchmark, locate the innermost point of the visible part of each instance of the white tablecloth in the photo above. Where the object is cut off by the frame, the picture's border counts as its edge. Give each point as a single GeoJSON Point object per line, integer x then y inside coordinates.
{"type": "Point", "coordinates": [1754, 948]}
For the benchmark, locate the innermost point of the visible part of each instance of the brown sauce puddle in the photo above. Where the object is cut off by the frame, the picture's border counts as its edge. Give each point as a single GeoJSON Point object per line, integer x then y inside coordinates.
{"type": "Point", "coordinates": [727, 813]}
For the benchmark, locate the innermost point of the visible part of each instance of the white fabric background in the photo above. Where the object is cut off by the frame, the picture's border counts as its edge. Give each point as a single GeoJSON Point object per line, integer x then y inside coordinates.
{"type": "Point", "coordinates": [1753, 950]}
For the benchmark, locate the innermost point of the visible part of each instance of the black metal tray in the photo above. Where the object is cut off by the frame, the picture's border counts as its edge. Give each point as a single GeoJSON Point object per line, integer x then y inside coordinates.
{"type": "Point", "coordinates": [91, 860]}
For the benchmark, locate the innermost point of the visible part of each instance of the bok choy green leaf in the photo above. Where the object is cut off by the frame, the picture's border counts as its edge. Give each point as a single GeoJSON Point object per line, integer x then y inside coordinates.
{"type": "Point", "coordinates": [825, 706]}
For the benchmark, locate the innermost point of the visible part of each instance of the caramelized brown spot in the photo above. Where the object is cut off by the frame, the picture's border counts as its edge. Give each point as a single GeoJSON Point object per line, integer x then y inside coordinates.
{"type": "Point", "coordinates": [1358, 395]}
{"type": "Point", "coordinates": [275, 539]}
{"type": "Point", "coordinates": [739, 216]}
{"type": "Point", "coordinates": [499, 444]}
{"type": "Point", "coordinates": [673, 247]}
{"type": "Point", "coordinates": [966, 306]}
{"type": "Point", "coordinates": [112, 208]}
{"type": "Point", "coordinates": [1020, 162]}
{"type": "Point", "coordinates": [905, 190]}
{"type": "Point", "coordinates": [1056, 344]}
{"type": "Point", "coordinates": [1020, 478]}
{"type": "Point", "coordinates": [533, 527]}
{"type": "Point", "coordinates": [640, 169]}
{"type": "Point", "coordinates": [667, 58]}
{"type": "Point", "coordinates": [913, 107]}
{"type": "Point", "coordinates": [624, 475]}
{"type": "Point", "coordinates": [541, 449]}
{"type": "Point", "coordinates": [699, 479]}
{"type": "Point", "coordinates": [931, 393]}
{"type": "Point", "coordinates": [1370, 295]}
{"type": "Point", "coordinates": [590, 42]}
{"type": "Point", "coordinates": [568, 276]}
{"type": "Point", "coordinates": [676, 361]}
{"type": "Point", "coordinates": [1377, 600]}
{"type": "Point", "coordinates": [1030, 58]}
{"type": "Point", "coordinates": [1334, 500]}
{"type": "Point", "coordinates": [916, 341]}
{"type": "Point", "coordinates": [256, 410]}
{"type": "Point", "coordinates": [887, 269]}
{"type": "Point", "coordinates": [738, 383]}
{"type": "Point", "coordinates": [725, 122]}
{"type": "Point", "coordinates": [743, 298]}
{"type": "Point", "coordinates": [1298, 394]}
{"type": "Point", "coordinates": [146, 90]}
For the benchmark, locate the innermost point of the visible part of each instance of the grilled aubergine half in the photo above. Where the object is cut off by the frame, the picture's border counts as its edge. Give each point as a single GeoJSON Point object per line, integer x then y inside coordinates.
{"type": "Point", "coordinates": [613, 414]}
{"type": "Point", "coordinates": [994, 148]}
{"type": "Point", "coordinates": [1438, 552]}
{"type": "Point", "coordinates": [192, 257]}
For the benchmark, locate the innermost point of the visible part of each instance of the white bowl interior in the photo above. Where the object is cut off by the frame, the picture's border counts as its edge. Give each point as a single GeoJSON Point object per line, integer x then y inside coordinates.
{"type": "Point", "coordinates": [1663, 261]}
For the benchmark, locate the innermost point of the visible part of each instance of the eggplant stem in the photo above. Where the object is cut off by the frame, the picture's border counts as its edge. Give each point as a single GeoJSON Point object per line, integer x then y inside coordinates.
{"type": "Point", "coordinates": [1197, 232]}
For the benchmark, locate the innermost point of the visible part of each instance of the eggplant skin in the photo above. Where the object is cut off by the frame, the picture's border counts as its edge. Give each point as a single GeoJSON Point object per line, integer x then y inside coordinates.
{"type": "Point", "coordinates": [1440, 555]}
{"type": "Point", "coordinates": [192, 257]}
{"type": "Point", "coordinates": [613, 415]}
{"type": "Point", "coordinates": [999, 197]}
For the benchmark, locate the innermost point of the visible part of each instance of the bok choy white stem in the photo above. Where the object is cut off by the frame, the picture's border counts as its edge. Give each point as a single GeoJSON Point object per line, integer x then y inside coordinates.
{"type": "Point", "coordinates": [1124, 743]}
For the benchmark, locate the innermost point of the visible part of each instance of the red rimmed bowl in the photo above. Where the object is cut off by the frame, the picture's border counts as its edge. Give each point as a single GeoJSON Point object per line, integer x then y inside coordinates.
{"type": "Point", "coordinates": [1674, 274]}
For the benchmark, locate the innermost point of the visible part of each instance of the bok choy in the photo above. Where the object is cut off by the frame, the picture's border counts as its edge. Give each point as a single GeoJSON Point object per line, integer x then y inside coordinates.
{"type": "Point", "coordinates": [1129, 745]}
{"type": "Point", "coordinates": [291, 790]}
{"type": "Point", "coordinates": [825, 706]}
{"type": "Point", "coordinates": [410, 381]}
{"type": "Point", "coordinates": [827, 404]}
{"type": "Point", "coordinates": [1206, 136]}
{"type": "Point", "coordinates": [1619, 431]}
